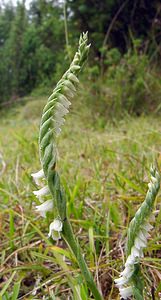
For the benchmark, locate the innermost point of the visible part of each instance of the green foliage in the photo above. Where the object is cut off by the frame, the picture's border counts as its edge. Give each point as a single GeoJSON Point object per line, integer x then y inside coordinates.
{"type": "Point", "coordinates": [134, 84]}
{"type": "Point", "coordinates": [30, 44]}
{"type": "Point", "coordinates": [116, 19]}
{"type": "Point", "coordinates": [130, 85]}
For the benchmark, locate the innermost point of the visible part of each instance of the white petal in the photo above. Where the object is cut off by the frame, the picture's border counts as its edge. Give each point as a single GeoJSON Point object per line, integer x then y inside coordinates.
{"type": "Point", "coordinates": [45, 207]}
{"type": "Point", "coordinates": [57, 225]}
{"type": "Point", "coordinates": [126, 292]}
{"type": "Point", "coordinates": [147, 226]}
{"type": "Point", "coordinates": [153, 179]}
{"type": "Point", "coordinates": [42, 192]}
{"type": "Point", "coordinates": [145, 233]}
{"type": "Point", "coordinates": [135, 252]}
{"type": "Point", "coordinates": [59, 119]}
{"type": "Point", "coordinates": [150, 185]}
{"type": "Point", "coordinates": [64, 101]}
{"type": "Point", "coordinates": [57, 131]}
{"type": "Point", "coordinates": [142, 236]}
{"type": "Point", "coordinates": [68, 92]}
{"type": "Point", "coordinates": [130, 260]}
{"type": "Point", "coordinates": [120, 281]}
{"type": "Point", "coordinates": [55, 228]}
{"type": "Point", "coordinates": [73, 78]}
{"type": "Point", "coordinates": [127, 272]}
{"type": "Point", "coordinates": [139, 243]}
{"type": "Point", "coordinates": [60, 108]}
{"type": "Point", "coordinates": [37, 176]}
{"type": "Point", "coordinates": [74, 68]}
{"type": "Point", "coordinates": [70, 85]}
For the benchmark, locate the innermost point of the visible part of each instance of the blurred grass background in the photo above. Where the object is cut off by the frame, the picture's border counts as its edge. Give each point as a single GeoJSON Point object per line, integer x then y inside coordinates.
{"type": "Point", "coordinates": [105, 174]}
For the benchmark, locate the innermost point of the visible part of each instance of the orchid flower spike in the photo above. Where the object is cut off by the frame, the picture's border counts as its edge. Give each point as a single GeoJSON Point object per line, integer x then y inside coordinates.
{"type": "Point", "coordinates": [138, 234]}
{"type": "Point", "coordinates": [53, 117]}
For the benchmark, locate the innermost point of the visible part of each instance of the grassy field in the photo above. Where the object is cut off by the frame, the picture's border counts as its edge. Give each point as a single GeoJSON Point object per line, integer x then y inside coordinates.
{"type": "Point", "coordinates": [105, 172]}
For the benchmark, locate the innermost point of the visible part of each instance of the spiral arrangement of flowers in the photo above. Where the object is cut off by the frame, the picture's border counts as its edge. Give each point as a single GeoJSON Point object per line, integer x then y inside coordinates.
{"type": "Point", "coordinates": [138, 233]}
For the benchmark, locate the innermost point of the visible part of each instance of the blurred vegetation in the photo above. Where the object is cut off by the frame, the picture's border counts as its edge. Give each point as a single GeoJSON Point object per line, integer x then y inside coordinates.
{"type": "Point", "coordinates": [36, 45]}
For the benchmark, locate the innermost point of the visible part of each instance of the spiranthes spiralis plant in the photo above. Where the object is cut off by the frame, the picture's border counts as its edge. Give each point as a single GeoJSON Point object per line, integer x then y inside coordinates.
{"type": "Point", "coordinates": [130, 282]}
{"type": "Point", "coordinates": [51, 122]}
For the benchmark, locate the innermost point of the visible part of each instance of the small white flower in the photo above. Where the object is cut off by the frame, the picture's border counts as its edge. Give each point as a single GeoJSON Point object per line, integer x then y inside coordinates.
{"type": "Point", "coordinates": [130, 260]}
{"type": "Point", "coordinates": [142, 236]}
{"type": "Point", "coordinates": [139, 243]}
{"type": "Point", "coordinates": [70, 85]}
{"type": "Point", "coordinates": [64, 101]}
{"type": "Point", "coordinates": [45, 207]}
{"type": "Point", "coordinates": [42, 192]}
{"type": "Point", "coordinates": [145, 233]}
{"type": "Point", "coordinates": [61, 109]}
{"type": "Point", "coordinates": [37, 176]}
{"type": "Point", "coordinates": [73, 78]}
{"type": "Point", "coordinates": [150, 185]}
{"type": "Point", "coordinates": [57, 130]}
{"type": "Point", "coordinates": [74, 68]}
{"type": "Point", "coordinates": [147, 226]}
{"type": "Point", "coordinates": [135, 252]}
{"type": "Point", "coordinates": [55, 228]}
{"type": "Point", "coordinates": [153, 179]}
{"type": "Point", "coordinates": [121, 281]}
{"type": "Point", "coordinates": [127, 272]}
{"type": "Point", "coordinates": [126, 292]}
{"type": "Point", "coordinates": [68, 92]}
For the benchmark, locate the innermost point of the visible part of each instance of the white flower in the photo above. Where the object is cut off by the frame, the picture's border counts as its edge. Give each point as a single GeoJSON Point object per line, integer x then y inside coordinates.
{"type": "Point", "coordinates": [70, 85]}
{"type": "Point", "coordinates": [143, 235]}
{"type": "Point", "coordinates": [68, 92]}
{"type": "Point", "coordinates": [37, 176]}
{"type": "Point", "coordinates": [150, 185]}
{"type": "Point", "coordinates": [146, 226]}
{"type": "Point", "coordinates": [45, 207]}
{"type": "Point", "coordinates": [64, 101]}
{"type": "Point", "coordinates": [127, 272]}
{"type": "Point", "coordinates": [130, 260]}
{"type": "Point", "coordinates": [140, 243]}
{"type": "Point", "coordinates": [61, 109]}
{"type": "Point", "coordinates": [55, 228]}
{"type": "Point", "coordinates": [135, 252]}
{"type": "Point", "coordinates": [73, 78]}
{"type": "Point", "coordinates": [126, 292]}
{"type": "Point", "coordinates": [42, 192]}
{"type": "Point", "coordinates": [121, 281]}
{"type": "Point", "coordinates": [153, 179]}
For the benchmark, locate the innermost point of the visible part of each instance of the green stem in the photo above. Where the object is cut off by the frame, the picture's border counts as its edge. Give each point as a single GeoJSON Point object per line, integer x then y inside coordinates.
{"type": "Point", "coordinates": [67, 233]}
{"type": "Point", "coordinates": [68, 236]}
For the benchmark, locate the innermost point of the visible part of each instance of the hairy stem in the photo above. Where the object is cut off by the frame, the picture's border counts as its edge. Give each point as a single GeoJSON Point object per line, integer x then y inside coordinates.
{"type": "Point", "coordinates": [67, 233]}
{"type": "Point", "coordinates": [75, 247]}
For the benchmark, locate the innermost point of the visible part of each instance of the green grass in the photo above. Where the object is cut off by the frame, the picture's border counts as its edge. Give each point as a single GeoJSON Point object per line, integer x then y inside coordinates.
{"type": "Point", "coordinates": [105, 174]}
